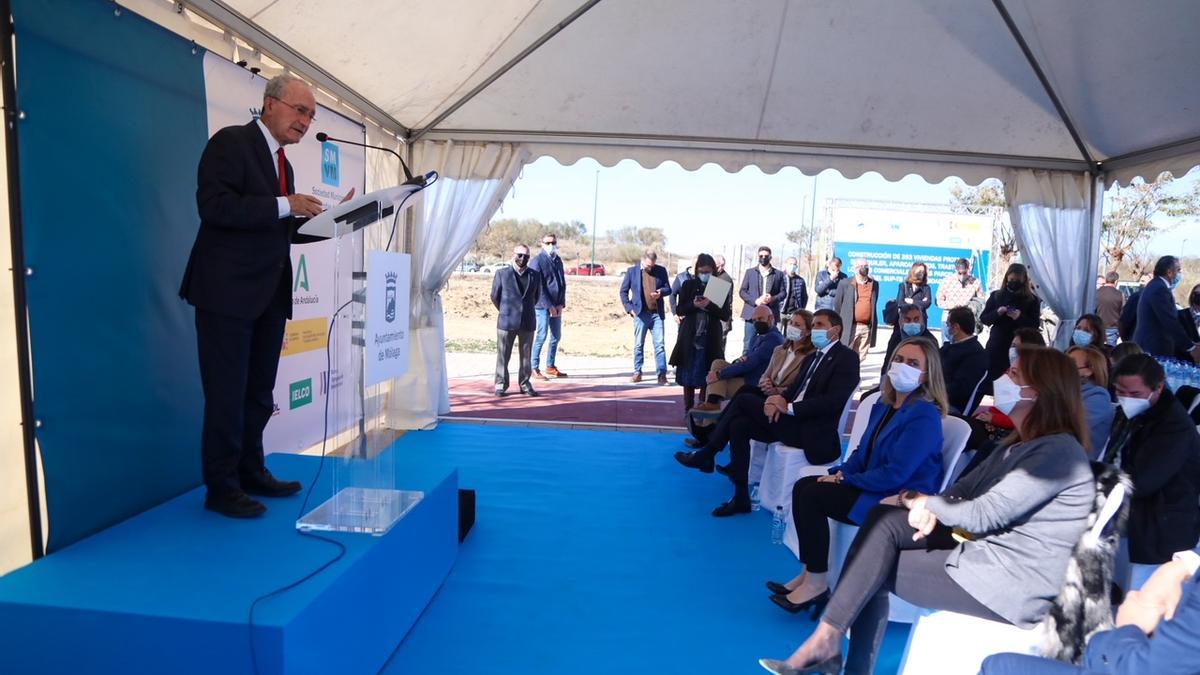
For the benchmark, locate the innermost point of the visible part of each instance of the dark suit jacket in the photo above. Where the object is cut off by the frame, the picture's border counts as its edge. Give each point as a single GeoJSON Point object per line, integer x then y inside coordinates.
{"type": "Point", "coordinates": [847, 293]}
{"type": "Point", "coordinates": [1158, 331]}
{"type": "Point", "coordinates": [1189, 325]}
{"type": "Point", "coordinates": [242, 250]}
{"type": "Point", "coordinates": [1128, 321]}
{"type": "Point", "coordinates": [632, 297]}
{"type": "Point", "coordinates": [829, 387]}
{"type": "Point", "coordinates": [1127, 650]}
{"type": "Point", "coordinates": [516, 308]}
{"type": "Point", "coordinates": [685, 348]}
{"type": "Point", "coordinates": [963, 363]}
{"type": "Point", "coordinates": [752, 287]}
{"type": "Point", "coordinates": [554, 280]}
{"type": "Point", "coordinates": [676, 286]}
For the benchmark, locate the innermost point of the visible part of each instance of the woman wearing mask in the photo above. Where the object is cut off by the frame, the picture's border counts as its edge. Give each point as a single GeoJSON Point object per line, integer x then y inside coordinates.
{"type": "Point", "coordinates": [786, 360]}
{"type": "Point", "coordinates": [1092, 365]}
{"type": "Point", "coordinates": [1008, 309]}
{"type": "Point", "coordinates": [1089, 332]}
{"type": "Point", "coordinates": [699, 339]}
{"type": "Point", "coordinates": [900, 449]}
{"type": "Point", "coordinates": [914, 291]}
{"type": "Point", "coordinates": [910, 323]}
{"type": "Point", "coordinates": [995, 545]}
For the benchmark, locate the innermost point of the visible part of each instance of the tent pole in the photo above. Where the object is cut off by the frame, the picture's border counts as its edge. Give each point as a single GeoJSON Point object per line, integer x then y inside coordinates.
{"type": "Point", "coordinates": [12, 115]}
{"type": "Point", "coordinates": [1041, 75]}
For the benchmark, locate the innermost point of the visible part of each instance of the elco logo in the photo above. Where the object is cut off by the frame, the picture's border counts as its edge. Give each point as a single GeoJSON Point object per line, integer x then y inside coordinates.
{"type": "Point", "coordinates": [301, 275]}
{"type": "Point", "coordinates": [389, 311]}
{"type": "Point", "coordinates": [300, 393]}
{"type": "Point", "coordinates": [330, 166]}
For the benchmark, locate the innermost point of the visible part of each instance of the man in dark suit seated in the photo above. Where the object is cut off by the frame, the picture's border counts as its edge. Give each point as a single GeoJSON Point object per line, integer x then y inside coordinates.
{"type": "Point", "coordinates": [515, 292]}
{"type": "Point", "coordinates": [1157, 630]}
{"type": "Point", "coordinates": [1158, 331]}
{"type": "Point", "coordinates": [239, 279]}
{"type": "Point", "coordinates": [964, 360]}
{"type": "Point", "coordinates": [805, 416]}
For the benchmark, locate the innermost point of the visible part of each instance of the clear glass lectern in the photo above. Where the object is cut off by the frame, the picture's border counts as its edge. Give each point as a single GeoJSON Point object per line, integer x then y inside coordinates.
{"type": "Point", "coordinates": [369, 327]}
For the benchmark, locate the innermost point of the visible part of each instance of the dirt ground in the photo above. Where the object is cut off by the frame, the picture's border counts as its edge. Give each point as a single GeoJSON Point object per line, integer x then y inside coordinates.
{"type": "Point", "coordinates": [594, 323]}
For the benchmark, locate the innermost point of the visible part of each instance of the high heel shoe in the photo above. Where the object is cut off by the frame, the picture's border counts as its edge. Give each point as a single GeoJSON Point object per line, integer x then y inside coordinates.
{"type": "Point", "coordinates": [815, 605]}
{"type": "Point", "coordinates": [830, 666]}
{"type": "Point", "coordinates": [778, 588]}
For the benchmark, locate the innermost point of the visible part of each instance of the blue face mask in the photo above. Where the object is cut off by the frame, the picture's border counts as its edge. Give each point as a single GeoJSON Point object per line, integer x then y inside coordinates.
{"type": "Point", "coordinates": [820, 338]}
{"type": "Point", "coordinates": [1082, 338]}
{"type": "Point", "coordinates": [912, 329]}
{"type": "Point", "coordinates": [704, 277]}
{"type": "Point", "coordinates": [1175, 282]}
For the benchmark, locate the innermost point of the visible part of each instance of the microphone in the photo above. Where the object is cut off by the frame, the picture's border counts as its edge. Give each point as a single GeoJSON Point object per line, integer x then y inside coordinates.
{"type": "Point", "coordinates": [409, 178]}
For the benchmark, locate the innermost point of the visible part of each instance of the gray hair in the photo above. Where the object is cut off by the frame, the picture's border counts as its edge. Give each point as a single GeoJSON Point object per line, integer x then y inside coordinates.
{"type": "Point", "coordinates": [277, 85]}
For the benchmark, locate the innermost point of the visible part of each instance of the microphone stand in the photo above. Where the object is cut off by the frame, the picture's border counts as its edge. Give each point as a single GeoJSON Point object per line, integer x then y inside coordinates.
{"type": "Point", "coordinates": [409, 179]}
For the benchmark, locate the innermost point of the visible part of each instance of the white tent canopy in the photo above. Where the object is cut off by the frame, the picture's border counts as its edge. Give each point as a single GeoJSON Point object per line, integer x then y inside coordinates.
{"type": "Point", "coordinates": [933, 87]}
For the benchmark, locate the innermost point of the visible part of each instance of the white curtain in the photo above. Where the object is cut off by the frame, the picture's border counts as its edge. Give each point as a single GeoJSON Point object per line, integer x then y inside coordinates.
{"type": "Point", "coordinates": [473, 180]}
{"type": "Point", "coordinates": [1056, 217]}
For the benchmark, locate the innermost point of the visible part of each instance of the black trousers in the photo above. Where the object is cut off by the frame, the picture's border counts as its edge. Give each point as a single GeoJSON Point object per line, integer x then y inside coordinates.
{"type": "Point", "coordinates": [884, 559]}
{"type": "Point", "coordinates": [238, 362]}
{"type": "Point", "coordinates": [812, 504]}
{"type": "Point", "coordinates": [748, 423]}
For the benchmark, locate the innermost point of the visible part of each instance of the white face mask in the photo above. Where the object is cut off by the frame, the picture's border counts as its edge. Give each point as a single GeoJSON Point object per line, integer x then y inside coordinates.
{"type": "Point", "coordinates": [550, 248]}
{"type": "Point", "coordinates": [795, 333]}
{"type": "Point", "coordinates": [1132, 407]}
{"type": "Point", "coordinates": [1007, 394]}
{"type": "Point", "coordinates": [904, 377]}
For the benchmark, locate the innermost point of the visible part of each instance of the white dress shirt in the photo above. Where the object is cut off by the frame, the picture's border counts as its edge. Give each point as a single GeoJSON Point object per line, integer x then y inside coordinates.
{"type": "Point", "coordinates": [285, 209]}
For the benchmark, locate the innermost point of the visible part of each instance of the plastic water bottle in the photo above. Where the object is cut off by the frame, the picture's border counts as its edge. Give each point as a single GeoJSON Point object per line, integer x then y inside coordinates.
{"type": "Point", "coordinates": [778, 526]}
{"type": "Point", "coordinates": [755, 499]}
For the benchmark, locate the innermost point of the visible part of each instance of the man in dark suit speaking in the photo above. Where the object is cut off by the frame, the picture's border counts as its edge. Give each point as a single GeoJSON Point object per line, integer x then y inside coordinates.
{"type": "Point", "coordinates": [239, 280]}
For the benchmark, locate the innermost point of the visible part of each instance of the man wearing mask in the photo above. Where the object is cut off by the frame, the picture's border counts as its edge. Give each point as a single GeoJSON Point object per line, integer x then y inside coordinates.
{"type": "Point", "coordinates": [795, 292]}
{"type": "Point", "coordinates": [1158, 331]}
{"type": "Point", "coordinates": [858, 297]}
{"type": "Point", "coordinates": [912, 323]}
{"type": "Point", "coordinates": [550, 306]}
{"type": "Point", "coordinates": [827, 284]}
{"type": "Point", "coordinates": [515, 291]}
{"type": "Point", "coordinates": [763, 285]}
{"type": "Point", "coordinates": [960, 289]}
{"type": "Point", "coordinates": [1109, 301]}
{"type": "Point", "coordinates": [725, 378]}
{"type": "Point", "coordinates": [964, 360]}
{"type": "Point", "coordinates": [720, 273]}
{"type": "Point", "coordinates": [642, 293]}
{"type": "Point", "coordinates": [1155, 442]}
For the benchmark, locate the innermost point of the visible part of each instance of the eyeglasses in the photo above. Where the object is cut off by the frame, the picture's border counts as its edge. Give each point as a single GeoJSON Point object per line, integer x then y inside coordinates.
{"type": "Point", "coordinates": [301, 110]}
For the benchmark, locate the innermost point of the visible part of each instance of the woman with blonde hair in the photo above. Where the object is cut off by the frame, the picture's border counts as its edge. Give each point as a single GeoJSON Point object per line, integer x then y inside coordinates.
{"type": "Point", "coordinates": [995, 545]}
{"type": "Point", "coordinates": [901, 448]}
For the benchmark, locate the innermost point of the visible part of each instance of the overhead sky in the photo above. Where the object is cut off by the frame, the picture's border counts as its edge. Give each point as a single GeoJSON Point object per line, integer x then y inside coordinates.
{"type": "Point", "coordinates": [702, 209]}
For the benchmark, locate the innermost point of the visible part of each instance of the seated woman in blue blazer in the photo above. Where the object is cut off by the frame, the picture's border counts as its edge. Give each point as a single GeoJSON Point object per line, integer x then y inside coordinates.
{"type": "Point", "coordinates": [900, 449]}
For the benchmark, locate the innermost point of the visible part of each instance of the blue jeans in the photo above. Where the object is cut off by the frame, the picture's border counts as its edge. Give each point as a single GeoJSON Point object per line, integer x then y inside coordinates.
{"type": "Point", "coordinates": [544, 320]}
{"type": "Point", "coordinates": [747, 336]}
{"type": "Point", "coordinates": [1021, 664]}
{"type": "Point", "coordinates": [639, 341]}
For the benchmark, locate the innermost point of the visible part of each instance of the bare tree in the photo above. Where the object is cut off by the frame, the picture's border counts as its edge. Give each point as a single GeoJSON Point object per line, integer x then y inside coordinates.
{"type": "Point", "coordinates": [1130, 222]}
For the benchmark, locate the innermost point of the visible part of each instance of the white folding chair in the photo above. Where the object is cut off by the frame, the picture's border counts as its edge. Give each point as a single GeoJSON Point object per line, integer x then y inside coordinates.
{"type": "Point", "coordinates": [950, 643]}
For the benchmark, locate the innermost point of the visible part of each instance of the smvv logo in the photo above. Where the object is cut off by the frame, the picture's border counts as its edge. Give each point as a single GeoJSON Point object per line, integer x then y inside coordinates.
{"type": "Point", "coordinates": [330, 166]}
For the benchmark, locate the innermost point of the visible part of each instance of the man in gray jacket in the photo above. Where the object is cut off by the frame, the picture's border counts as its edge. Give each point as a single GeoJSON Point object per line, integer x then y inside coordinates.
{"type": "Point", "coordinates": [515, 291]}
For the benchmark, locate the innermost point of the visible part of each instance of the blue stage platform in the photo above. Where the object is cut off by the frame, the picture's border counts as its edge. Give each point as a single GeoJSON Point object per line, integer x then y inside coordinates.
{"type": "Point", "coordinates": [169, 591]}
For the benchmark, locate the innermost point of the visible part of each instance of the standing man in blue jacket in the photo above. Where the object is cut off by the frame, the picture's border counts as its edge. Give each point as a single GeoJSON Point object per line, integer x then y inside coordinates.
{"type": "Point", "coordinates": [827, 282]}
{"type": "Point", "coordinates": [550, 306]}
{"type": "Point", "coordinates": [642, 293]}
{"type": "Point", "coordinates": [1158, 331]}
{"type": "Point", "coordinates": [762, 285]}
{"type": "Point", "coordinates": [515, 291]}
{"type": "Point", "coordinates": [1158, 628]}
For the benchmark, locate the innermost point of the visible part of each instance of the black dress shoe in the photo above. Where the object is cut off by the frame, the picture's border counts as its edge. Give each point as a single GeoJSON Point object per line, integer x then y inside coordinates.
{"type": "Point", "coordinates": [266, 485]}
{"type": "Point", "coordinates": [778, 588]}
{"type": "Point", "coordinates": [234, 505]}
{"type": "Point", "coordinates": [731, 508]}
{"type": "Point", "coordinates": [529, 391]}
{"type": "Point", "coordinates": [694, 460]}
{"type": "Point", "coordinates": [723, 469]}
{"type": "Point", "coordinates": [501, 392]}
{"type": "Point", "coordinates": [815, 605]}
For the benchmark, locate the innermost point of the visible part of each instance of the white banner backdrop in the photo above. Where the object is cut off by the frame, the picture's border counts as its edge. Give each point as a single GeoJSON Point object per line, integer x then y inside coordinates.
{"type": "Point", "coordinates": [327, 171]}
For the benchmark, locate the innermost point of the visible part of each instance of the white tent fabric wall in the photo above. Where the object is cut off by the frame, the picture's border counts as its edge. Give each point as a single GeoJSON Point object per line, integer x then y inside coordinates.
{"type": "Point", "coordinates": [1058, 232]}
{"type": "Point", "coordinates": [473, 180]}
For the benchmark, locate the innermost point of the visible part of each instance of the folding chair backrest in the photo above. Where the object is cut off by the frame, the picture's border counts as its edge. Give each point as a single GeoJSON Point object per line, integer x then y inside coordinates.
{"type": "Point", "coordinates": [955, 434]}
{"type": "Point", "coordinates": [861, 417]}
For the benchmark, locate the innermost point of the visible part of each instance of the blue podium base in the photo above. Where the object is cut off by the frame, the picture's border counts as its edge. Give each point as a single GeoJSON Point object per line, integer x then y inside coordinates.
{"type": "Point", "coordinates": [169, 591]}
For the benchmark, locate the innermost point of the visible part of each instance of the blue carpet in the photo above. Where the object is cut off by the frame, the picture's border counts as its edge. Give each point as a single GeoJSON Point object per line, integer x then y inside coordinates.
{"type": "Point", "coordinates": [594, 552]}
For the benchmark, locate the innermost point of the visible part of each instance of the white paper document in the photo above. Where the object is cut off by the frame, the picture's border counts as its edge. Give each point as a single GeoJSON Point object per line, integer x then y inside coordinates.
{"type": "Point", "coordinates": [717, 290]}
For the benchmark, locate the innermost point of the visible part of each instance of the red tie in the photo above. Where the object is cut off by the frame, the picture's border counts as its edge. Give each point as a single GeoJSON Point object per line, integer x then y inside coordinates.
{"type": "Point", "coordinates": [282, 173]}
